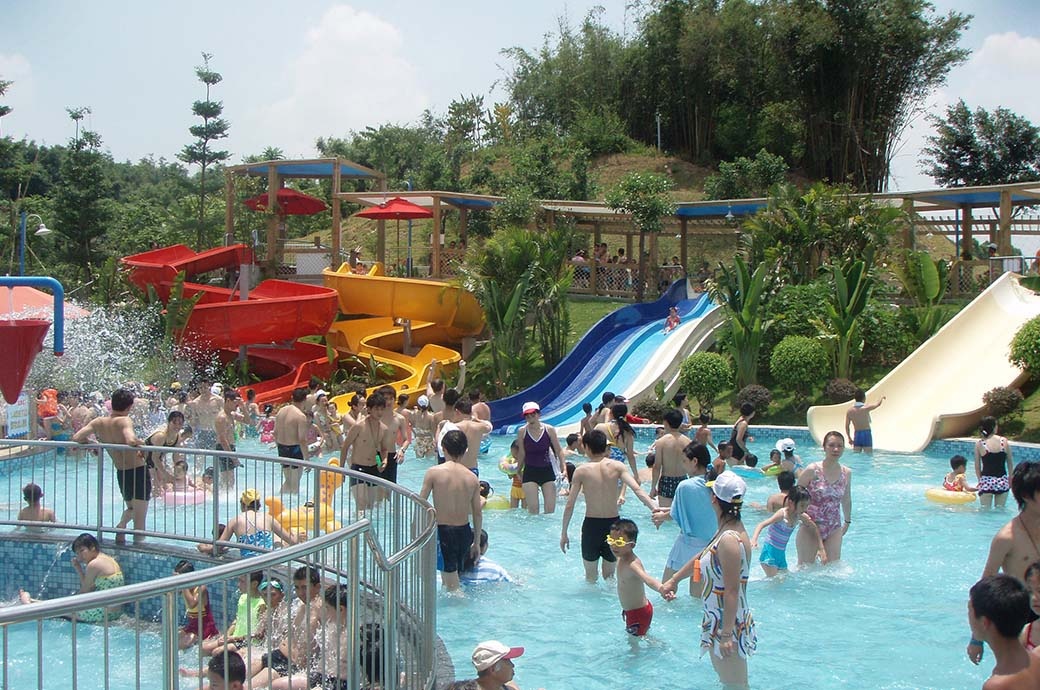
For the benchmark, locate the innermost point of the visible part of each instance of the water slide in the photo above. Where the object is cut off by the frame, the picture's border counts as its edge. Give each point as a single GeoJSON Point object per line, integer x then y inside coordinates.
{"type": "Point", "coordinates": [435, 312]}
{"type": "Point", "coordinates": [937, 391]}
{"type": "Point", "coordinates": [269, 319]}
{"type": "Point", "coordinates": [627, 352]}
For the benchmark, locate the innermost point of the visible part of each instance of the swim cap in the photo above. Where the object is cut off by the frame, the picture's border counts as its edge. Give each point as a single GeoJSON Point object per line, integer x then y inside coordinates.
{"type": "Point", "coordinates": [423, 401]}
{"type": "Point", "coordinates": [250, 496]}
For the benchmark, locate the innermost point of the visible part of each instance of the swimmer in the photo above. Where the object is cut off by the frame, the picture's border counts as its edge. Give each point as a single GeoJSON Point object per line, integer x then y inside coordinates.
{"type": "Point", "coordinates": [251, 607]}
{"type": "Point", "coordinates": [668, 459]}
{"type": "Point", "coordinates": [483, 570]}
{"type": "Point", "coordinates": [703, 433]}
{"type": "Point", "coordinates": [573, 447]}
{"type": "Point", "coordinates": [725, 457]}
{"type": "Point", "coordinates": [599, 480]}
{"type": "Point", "coordinates": [1030, 637]}
{"type": "Point", "coordinates": [509, 466]}
{"type": "Point", "coordinates": [784, 482]}
{"type": "Point", "coordinates": [789, 460]}
{"type": "Point", "coordinates": [740, 438]}
{"type": "Point", "coordinates": [290, 435]}
{"type": "Point", "coordinates": [485, 493]}
{"type": "Point", "coordinates": [954, 479]}
{"type": "Point", "coordinates": [775, 458]}
{"type": "Point", "coordinates": [857, 418]}
{"type": "Point", "coordinates": [198, 623]}
{"type": "Point", "coordinates": [993, 465]}
{"type": "Point", "coordinates": [998, 608]}
{"type": "Point", "coordinates": [35, 512]}
{"type": "Point", "coordinates": [632, 579]}
{"type": "Point", "coordinates": [673, 320]}
{"type": "Point", "coordinates": [538, 451]}
{"type": "Point", "coordinates": [781, 526]}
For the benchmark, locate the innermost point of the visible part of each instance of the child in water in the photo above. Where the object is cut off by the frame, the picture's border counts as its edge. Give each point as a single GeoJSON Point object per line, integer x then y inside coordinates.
{"type": "Point", "coordinates": [516, 488]}
{"type": "Point", "coordinates": [781, 526]}
{"type": "Point", "coordinates": [632, 579]}
{"type": "Point", "coordinates": [34, 511]}
{"type": "Point", "coordinates": [954, 479]}
{"type": "Point", "coordinates": [266, 425]}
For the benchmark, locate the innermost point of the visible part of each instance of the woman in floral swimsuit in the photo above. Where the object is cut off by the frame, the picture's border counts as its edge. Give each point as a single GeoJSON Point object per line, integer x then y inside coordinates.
{"type": "Point", "coordinates": [830, 487]}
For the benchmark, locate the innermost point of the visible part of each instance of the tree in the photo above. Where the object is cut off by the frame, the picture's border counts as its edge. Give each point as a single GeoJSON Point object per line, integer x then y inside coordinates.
{"type": "Point", "coordinates": [199, 153]}
{"type": "Point", "coordinates": [643, 196]}
{"type": "Point", "coordinates": [4, 109]}
{"type": "Point", "coordinates": [744, 177]}
{"type": "Point", "coordinates": [981, 148]}
{"type": "Point", "coordinates": [83, 207]}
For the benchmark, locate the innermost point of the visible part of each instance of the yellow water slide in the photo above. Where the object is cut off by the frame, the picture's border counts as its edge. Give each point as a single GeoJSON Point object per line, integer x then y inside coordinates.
{"type": "Point", "coordinates": [433, 312]}
{"type": "Point", "coordinates": [937, 391]}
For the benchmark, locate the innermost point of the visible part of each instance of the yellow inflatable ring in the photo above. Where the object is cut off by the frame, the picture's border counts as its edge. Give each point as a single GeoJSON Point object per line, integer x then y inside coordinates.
{"type": "Point", "coordinates": [497, 503]}
{"type": "Point", "coordinates": [772, 471]}
{"type": "Point", "coordinates": [950, 497]}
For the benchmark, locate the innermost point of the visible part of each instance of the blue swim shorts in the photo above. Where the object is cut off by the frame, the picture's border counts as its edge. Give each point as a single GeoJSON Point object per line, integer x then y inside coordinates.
{"type": "Point", "coordinates": [863, 439]}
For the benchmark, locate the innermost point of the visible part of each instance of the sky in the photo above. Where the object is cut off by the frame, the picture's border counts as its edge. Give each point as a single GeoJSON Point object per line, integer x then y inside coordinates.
{"type": "Point", "coordinates": [294, 72]}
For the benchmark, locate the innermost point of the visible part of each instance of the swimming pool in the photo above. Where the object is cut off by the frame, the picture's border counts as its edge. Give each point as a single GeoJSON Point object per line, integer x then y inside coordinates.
{"type": "Point", "coordinates": [891, 615]}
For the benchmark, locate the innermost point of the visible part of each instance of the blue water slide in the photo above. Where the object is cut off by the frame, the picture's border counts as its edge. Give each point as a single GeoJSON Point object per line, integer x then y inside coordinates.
{"type": "Point", "coordinates": [608, 357]}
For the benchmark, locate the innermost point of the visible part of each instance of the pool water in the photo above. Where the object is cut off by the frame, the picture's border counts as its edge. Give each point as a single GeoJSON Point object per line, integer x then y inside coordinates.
{"type": "Point", "coordinates": [890, 615]}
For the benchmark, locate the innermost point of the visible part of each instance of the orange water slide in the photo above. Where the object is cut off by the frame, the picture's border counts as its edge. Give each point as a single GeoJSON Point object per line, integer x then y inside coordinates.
{"type": "Point", "coordinates": [437, 313]}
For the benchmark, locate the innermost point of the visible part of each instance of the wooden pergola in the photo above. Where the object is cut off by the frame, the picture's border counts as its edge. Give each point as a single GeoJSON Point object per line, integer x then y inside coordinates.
{"type": "Point", "coordinates": [277, 172]}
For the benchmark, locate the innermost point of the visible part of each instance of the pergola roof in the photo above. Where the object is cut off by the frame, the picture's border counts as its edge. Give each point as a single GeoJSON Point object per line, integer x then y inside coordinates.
{"type": "Point", "coordinates": [426, 199]}
{"type": "Point", "coordinates": [1022, 194]}
{"type": "Point", "coordinates": [315, 168]}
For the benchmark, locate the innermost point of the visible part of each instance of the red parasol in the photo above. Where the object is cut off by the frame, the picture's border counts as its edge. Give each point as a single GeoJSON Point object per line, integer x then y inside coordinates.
{"type": "Point", "coordinates": [290, 203]}
{"type": "Point", "coordinates": [397, 209]}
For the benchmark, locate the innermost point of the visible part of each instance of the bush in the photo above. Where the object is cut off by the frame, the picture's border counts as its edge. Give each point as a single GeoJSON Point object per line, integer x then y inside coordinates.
{"type": "Point", "coordinates": [757, 395]}
{"type": "Point", "coordinates": [1025, 347]}
{"type": "Point", "coordinates": [798, 363]}
{"type": "Point", "coordinates": [794, 310]}
{"type": "Point", "coordinates": [746, 177]}
{"type": "Point", "coordinates": [704, 376]}
{"type": "Point", "coordinates": [888, 334]}
{"type": "Point", "coordinates": [1004, 403]}
{"type": "Point", "coordinates": [840, 390]}
{"type": "Point", "coordinates": [650, 408]}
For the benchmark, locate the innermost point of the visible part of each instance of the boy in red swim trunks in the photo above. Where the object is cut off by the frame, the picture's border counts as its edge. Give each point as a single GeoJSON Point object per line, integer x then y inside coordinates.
{"type": "Point", "coordinates": [632, 579]}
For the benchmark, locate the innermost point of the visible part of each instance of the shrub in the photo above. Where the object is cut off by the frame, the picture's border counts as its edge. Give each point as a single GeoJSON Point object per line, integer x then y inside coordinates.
{"type": "Point", "coordinates": [650, 408]}
{"type": "Point", "coordinates": [1003, 403]}
{"type": "Point", "coordinates": [704, 376]}
{"type": "Point", "coordinates": [798, 363]}
{"type": "Point", "coordinates": [794, 310]}
{"type": "Point", "coordinates": [757, 395]}
{"type": "Point", "coordinates": [888, 334]}
{"type": "Point", "coordinates": [840, 390]}
{"type": "Point", "coordinates": [1025, 347]}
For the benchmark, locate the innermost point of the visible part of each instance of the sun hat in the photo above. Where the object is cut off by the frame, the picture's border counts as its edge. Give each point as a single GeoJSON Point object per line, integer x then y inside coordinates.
{"type": "Point", "coordinates": [729, 487]}
{"type": "Point", "coordinates": [785, 445]}
{"type": "Point", "coordinates": [530, 407]}
{"type": "Point", "coordinates": [250, 496]}
{"type": "Point", "coordinates": [423, 401]}
{"type": "Point", "coordinates": [489, 653]}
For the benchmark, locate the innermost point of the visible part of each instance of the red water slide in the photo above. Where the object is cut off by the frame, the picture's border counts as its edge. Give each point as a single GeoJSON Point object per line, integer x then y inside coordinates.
{"type": "Point", "coordinates": [273, 315]}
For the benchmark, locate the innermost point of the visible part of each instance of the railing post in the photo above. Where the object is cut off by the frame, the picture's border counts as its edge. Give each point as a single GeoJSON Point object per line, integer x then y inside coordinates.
{"type": "Point", "coordinates": [101, 495]}
{"type": "Point", "coordinates": [169, 641]}
{"type": "Point", "coordinates": [354, 583]}
{"type": "Point", "coordinates": [389, 642]}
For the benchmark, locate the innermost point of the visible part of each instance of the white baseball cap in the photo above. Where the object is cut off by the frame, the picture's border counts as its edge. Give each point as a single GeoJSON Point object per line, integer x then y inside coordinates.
{"type": "Point", "coordinates": [785, 445]}
{"type": "Point", "coordinates": [489, 653]}
{"type": "Point", "coordinates": [530, 407]}
{"type": "Point", "coordinates": [729, 487]}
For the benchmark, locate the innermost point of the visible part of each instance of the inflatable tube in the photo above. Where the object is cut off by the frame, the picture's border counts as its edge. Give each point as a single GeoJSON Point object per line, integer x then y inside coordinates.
{"type": "Point", "coordinates": [184, 498]}
{"type": "Point", "coordinates": [748, 472]}
{"type": "Point", "coordinates": [485, 445]}
{"type": "Point", "coordinates": [772, 471]}
{"type": "Point", "coordinates": [950, 497]}
{"type": "Point", "coordinates": [507, 466]}
{"type": "Point", "coordinates": [497, 503]}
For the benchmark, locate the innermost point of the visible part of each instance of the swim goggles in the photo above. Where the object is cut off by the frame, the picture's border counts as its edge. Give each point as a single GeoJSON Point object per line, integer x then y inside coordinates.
{"type": "Point", "coordinates": [618, 542]}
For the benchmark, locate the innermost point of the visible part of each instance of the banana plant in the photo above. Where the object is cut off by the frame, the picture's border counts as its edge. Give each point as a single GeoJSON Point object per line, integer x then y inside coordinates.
{"type": "Point", "coordinates": [924, 279]}
{"type": "Point", "coordinates": [740, 292]}
{"type": "Point", "coordinates": [852, 287]}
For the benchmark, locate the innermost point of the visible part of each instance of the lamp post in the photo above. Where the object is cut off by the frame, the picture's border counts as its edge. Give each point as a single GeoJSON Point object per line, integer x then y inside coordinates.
{"type": "Point", "coordinates": [41, 230]}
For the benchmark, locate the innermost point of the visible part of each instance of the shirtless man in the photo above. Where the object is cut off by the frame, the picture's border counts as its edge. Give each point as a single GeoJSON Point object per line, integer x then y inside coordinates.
{"type": "Point", "coordinates": [857, 418]}
{"type": "Point", "coordinates": [401, 431]}
{"type": "Point", "coordinates": [224, 425]}
{"type": "Point", "coordinates": [372, 443]}
{"type": "Point", "coordinates": [456, 497]}
{"type": "Point", "coordinates": [998, 609]}
{"type": "Point", "coordinates": [444, 421]}
{"type": "Point", "coordinates": [598, 480]}
{"type": "Point", "coordinates": [290, 436]}
{"type": "Point", "coordinates": [204, 410]}
{"type": "Point", "coordinates": [435, 386]}
{"type": "Point", "coordinates": [131, 471]}
{"type": "Point", "coordinates": [292, 655]}
{"type": "Point", "coordinates": [79, 416]}
{"type": "Point", "coordinates": [668, 463]}
{"type": "Point", "coordinates": [475, 430]}
{"type": "Point", "coordinates": [481, 410]}
{"type": "Point", "coordinates": [1017, 544]}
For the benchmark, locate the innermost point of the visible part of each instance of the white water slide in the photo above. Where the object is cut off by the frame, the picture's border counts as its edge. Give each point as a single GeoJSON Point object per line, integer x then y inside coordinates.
{"type": "Point", "coordinates": [937, 391]}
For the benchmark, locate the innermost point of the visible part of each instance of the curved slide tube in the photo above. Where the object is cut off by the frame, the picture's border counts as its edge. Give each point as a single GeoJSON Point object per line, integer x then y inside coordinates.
{"type": "Point", "coordinates": [438, 313]}
{"type": "Point", "coordinates": [937, 391]}
{"type": "Point", "coordinates": [626, 352]}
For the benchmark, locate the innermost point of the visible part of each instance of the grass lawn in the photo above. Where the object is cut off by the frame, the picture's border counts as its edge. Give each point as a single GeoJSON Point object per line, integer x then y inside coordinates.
{"type": "Point", "coordinates": [585, 314]}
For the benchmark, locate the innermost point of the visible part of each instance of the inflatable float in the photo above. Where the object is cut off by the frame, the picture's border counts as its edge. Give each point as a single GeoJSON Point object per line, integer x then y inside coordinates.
{"type": "Point", "coordinates": [950, 497]}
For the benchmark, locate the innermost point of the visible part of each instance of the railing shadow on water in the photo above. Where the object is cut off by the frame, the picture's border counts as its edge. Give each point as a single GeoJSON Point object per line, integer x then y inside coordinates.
{"type": "Point", "coordinates": [379, 562]}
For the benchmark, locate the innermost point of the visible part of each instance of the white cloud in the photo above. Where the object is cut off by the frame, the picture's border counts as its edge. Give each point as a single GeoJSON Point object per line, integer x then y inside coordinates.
{"type": "Point", "coordinates": [350, 74]}
{"type": "Point", "coordinates": [1001, 73]}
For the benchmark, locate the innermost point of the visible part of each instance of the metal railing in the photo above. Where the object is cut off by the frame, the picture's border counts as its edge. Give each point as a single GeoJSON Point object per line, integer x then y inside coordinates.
{"type": "Point", "coordinates": [381, 562]}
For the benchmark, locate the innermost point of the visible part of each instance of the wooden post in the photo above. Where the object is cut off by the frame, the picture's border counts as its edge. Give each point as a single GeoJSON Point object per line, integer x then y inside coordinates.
{"type": "Point", "coordinates": [337, 249]}
{"type": "Point", "coordinates": [908, 235]}
{"type": "Point", "coordinates": [593, 274]}
{"type": "Point", "coordinates": [229, 208]}
{"type": "Point", "coordinates": [435, 252]}
{"type": "Point", "coordinates": [273, 250]}
{"type": "Point", "coordinates": [463, 222]}
{"type": "Point", "coordinates": [683, 252]}
{"type": "Point", "coordinates": [967, 243]}
{"type": "Point", "coordinates": [628, 247]}
{"type": "Point", "coordinates": [1004, 235]}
